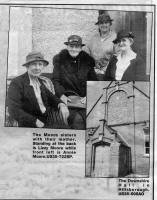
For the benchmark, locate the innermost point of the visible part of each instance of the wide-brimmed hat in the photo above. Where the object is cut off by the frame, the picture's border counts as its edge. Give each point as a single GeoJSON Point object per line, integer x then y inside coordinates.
{"type": "Point", "coordinates": [103, 19]}
{"type": "Point", "coordinates": [35, 56]}
{"type": "Point", "coordinates": [74, 40]}
{"type": "Point", "coordinates": [123, 34]}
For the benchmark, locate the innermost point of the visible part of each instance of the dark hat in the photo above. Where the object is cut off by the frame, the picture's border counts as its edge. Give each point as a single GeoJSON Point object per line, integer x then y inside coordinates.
{"type": "Point", "coordinates": [35, 56]}
{"type": "Point", "coordinates": [121, 35]}
{"type": "Point", "coordinates": [103, 19]}
{"type": "Point", "coordinates": [74, 40]}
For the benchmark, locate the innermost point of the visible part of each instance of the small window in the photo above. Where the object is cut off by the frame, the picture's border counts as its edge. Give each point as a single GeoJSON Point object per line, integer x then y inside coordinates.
{"type": "Point", "coordinates": [146, 142]}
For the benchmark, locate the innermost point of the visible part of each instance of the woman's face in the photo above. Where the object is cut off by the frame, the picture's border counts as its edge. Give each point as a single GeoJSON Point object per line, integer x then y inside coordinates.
{"type": "Point", "coordinates": [35, 68]}
{"type": "Point", "coordinates": [74, 50]}
{"type": "Point", "coordinates": [125, 44]}
{"type": "Point", "coordinates": [105, 27]}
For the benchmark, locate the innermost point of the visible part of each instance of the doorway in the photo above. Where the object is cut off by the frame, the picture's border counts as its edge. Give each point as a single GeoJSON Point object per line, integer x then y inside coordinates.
{"type": "Point", "coordinates": [101, 165]}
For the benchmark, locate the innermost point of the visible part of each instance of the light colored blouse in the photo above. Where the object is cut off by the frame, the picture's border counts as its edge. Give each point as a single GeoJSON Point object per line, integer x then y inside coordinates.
{"type": "Point", "coordinates": [122, 64]}
{"type": "Point", "coordinates": [34, 82]}
{"type": "Point", "coordinates": [101, 49]}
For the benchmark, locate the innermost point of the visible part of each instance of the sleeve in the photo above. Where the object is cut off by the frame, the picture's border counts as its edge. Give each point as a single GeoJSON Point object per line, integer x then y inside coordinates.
{"type": "Point", "coordinates": [53, 99]}
{"type": "Point", "coordinates": [14, 102]}
{"type": "Point", "coordinates": [141, 70]}
{"type": "Point", "coordinates": [108, 76]}
{"type": "Point", "coordinates": [91, 74]}
{"type": "Point", "coordinates": [107, 73]}
{"type": "Point", "coordinates": [56, 77]}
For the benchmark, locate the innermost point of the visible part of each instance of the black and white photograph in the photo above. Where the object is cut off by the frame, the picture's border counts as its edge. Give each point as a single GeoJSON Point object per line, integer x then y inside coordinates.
{"type": "Point", "coordinates": [53, 52]}
{"type": "Point", "coordinates": [77, 99]}
{"type": "Point", "coordinates": [118, 129]}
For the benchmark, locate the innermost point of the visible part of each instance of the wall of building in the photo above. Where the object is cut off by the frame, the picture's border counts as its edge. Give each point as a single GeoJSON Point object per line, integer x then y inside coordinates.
{"type": "Point", "coordinates": [4, 27]}
{"type": "Point", "coordinates": [124, 112]}
{"type": "Point", "coordinates": [88, 160]}
{"type": "Point", "coordinates": [20, 39]}
{"type": "Point", "coordinates": [121, 110]}
{"type": "Point", "coordinates": [123, 107]}
{"type": "Point", "coordinates": [52, 27]}
{"type": "Point", "coordinates": [135, 139]}
{"type": "Point", "coordinates": [94, 90]}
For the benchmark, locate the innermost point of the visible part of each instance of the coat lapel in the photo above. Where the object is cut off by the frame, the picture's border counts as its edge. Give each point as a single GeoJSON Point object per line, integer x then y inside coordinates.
{"type": "Point", "coordinates": [29, 92]}
{"type": "Point", "coordinates": [129, 73]}
{"type": "Point", "coordinates": [113, 68]}
{"type": "Point", "coordinates": [44, 92]}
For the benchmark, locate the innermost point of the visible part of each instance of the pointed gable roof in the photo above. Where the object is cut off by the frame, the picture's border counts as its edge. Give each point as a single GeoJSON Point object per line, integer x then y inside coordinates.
{"type": "Point", "coordinates": [108, 133]}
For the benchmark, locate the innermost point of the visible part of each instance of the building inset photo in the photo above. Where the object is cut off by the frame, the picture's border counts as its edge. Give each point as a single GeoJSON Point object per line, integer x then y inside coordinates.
{"type": "Point", "coordinates": [118, 129]}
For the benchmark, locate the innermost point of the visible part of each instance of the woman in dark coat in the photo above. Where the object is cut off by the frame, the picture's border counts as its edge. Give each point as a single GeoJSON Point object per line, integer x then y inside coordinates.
{"type": "Point", "coordinates": [72, 68]}
{"type": "Point", "coordinates": [126, 65]}
{"type": "Point", "coordinates": [30, 98]}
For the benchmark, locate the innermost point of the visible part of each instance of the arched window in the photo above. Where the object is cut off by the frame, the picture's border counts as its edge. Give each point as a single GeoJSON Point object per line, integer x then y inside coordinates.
{"type": "Point", "coordinates": [118, 108]}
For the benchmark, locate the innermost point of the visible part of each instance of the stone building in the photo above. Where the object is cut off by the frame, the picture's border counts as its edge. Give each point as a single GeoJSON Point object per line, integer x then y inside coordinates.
{"type": "Point", "coordinates": [119, 145]}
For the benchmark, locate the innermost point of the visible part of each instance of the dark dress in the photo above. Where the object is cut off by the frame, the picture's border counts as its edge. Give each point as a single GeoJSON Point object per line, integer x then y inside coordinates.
{"type": "Point", "coordinates": [23, 105]}
{"type": "Point", "coordinates": [70, 76]}
{"type": "Point", "coordinates": [134, 72]}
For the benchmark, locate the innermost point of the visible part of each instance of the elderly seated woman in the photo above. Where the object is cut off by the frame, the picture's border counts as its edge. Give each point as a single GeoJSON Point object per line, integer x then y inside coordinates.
{"type": "Point", "coordinates": [126, 65]}
{"type": "Point", "coordinates": [72, 68]}
{"type": "Point", "coordinates": [31, 101]}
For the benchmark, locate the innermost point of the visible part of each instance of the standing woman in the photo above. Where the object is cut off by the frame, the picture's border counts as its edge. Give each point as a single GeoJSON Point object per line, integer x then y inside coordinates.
{"type": "Point", "coordinates": [126, 65]}
{"type": "Point", "coordinates": [101, 47]}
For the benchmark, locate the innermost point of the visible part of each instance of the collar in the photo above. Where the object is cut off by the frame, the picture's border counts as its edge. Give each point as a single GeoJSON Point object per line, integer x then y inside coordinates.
{"type": "Point", "coordinates": [73, 58]}
{"type": "Point", "coordinates": [130, 57]}
{"type": "Point", "coordinates": [32, 81]}
{"type": "Point", "coordinates": [106, 36]}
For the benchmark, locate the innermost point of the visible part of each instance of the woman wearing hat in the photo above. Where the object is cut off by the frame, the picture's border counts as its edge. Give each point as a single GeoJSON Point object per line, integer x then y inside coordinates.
{"type": "Point", "coordinates": [30, 96]}
{"type": "Point", "coordinates": [126, 65]}
{"type": "Point", "coordinates": [100, 47]}
{"type": "Point", "coordinates": [72, 68]}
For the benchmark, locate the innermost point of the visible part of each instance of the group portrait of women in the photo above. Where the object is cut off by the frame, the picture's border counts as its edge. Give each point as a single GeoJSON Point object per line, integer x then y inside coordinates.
{"type": "Point", "coordinates": [59, 101]}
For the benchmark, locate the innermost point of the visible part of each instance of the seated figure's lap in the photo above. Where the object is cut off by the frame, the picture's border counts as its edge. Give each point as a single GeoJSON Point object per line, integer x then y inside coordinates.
{"type": "Point", "coordinates": [77, 119]}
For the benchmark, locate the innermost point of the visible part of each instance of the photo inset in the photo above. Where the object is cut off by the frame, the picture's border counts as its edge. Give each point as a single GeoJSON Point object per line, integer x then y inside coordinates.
{"type": "Point", "coordinates": [117, 135]}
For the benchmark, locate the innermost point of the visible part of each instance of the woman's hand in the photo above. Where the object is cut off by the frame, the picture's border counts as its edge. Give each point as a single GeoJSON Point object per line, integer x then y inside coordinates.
{"type": "Point", "coordinates": [64, 112]}
{"type": "Point", "coordinates": [39, 123]}
{"type": "Point", "coordinates": [65, 99]}
{"type": "Point", "coordinates": [83, 100]}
